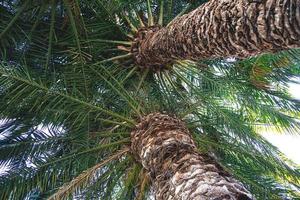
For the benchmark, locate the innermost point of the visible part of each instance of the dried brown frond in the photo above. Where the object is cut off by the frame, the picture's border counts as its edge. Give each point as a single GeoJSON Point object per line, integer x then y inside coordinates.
{"type": "Point", "coordinates": [144, 183]}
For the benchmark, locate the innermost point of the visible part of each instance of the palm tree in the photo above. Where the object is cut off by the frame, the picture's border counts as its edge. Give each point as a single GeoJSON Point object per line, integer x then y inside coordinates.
{"type": "Point", "coordinates": [89, 112]}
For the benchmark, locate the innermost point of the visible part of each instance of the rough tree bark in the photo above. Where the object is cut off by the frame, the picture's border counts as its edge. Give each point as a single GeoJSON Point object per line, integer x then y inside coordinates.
{"type": "Point", "coordinates": [164, 146]}
{"type": "Point", "coordinates": [223, 28]}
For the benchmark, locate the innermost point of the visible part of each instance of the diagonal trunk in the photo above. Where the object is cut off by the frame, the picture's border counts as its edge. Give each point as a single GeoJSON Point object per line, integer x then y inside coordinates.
{"type": "Point", "coordinates": [164, 146]}
{"type": "Point", "coordinates": [223, 28]}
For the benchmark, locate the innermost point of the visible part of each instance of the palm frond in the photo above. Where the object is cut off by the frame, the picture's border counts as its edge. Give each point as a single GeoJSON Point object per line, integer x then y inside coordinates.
{"type": "Point", "coordinates": [84, 177]}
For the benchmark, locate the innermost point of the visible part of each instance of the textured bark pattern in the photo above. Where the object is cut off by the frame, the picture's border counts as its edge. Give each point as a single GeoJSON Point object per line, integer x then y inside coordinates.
{"type": "Point", "coordinates": [224, 28]}
{"type": "Point", "coordinates": [166, 149]}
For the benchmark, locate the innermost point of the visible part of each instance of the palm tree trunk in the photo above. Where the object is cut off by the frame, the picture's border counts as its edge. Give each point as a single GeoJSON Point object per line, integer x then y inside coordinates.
{"type": "Point", "coordinates": [223, 28]}
{"type": "Point", "coordinates": [164, 146]}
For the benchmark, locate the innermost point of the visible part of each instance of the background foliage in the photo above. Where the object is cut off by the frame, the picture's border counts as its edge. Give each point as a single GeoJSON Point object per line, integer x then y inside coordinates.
{"type": "Point", "coordinates": [70, 96]}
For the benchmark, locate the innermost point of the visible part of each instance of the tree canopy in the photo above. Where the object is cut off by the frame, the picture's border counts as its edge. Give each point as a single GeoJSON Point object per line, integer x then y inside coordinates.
{"type": "Point", "coordinates": [65, 66]}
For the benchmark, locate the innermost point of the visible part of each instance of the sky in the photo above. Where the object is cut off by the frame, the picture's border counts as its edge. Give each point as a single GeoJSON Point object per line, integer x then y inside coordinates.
{"type": "Point", "coordinates": [287, 144]}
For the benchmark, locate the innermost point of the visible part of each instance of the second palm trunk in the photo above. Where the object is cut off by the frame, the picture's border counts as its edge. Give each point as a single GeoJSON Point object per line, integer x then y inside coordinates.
{"type": "Point", "coordinates": [166, 149]}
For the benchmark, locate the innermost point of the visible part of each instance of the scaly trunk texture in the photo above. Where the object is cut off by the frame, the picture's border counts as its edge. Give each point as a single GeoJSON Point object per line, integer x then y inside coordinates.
{"type": "Point", "coordinates": [223, 28]}
{"type": "Point", "coordinates": [164, 146]}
